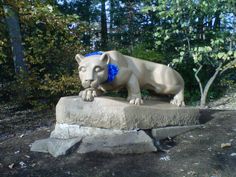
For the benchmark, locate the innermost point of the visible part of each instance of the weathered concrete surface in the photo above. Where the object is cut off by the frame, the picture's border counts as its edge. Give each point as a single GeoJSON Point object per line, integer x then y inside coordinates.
{"type": "Point", "coordinates": [161, 133]}
{"type": "Point", "coordinates": [92, 139]}
{"type": "Point", "coordinates": [40, 146]}
{"type": "Point", "coordinates": [105, 112]}
{"type": "Point", "coordinates": [65, 131]}
{"type": "Point", "coordinates": [55, 147]}
{"type": "Point", "coordinates": [130, 142]}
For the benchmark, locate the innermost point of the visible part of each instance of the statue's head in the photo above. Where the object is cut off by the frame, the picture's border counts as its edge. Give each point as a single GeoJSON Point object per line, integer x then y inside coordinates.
{"type": "Point", "coordinates": [93, 69]}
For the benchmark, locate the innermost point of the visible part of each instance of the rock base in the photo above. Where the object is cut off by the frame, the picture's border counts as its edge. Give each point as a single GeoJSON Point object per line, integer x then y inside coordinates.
{"type": "Point", "coordinates": [88, 139]}
{"type": "Point", "coordinates": [114, 126]}
{"type": "Point", "coordinates": [117, 113]}
{"type": "Point", "coordinates": [56, 147]}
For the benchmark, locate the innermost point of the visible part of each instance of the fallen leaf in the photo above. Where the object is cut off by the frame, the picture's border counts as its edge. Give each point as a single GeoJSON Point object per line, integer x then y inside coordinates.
{"type": "Point", "coordinates": [21, 136]}
{"type": "Point", "coordinates": [233, 154]}
{"type": "Point", "coordinates": [225, 145]}
{"type": "Point", "coordinates": [11, 165]}
{"type": "Point", "coordinates": [17, 152]}
{"type": "Point", "coordinates": [191, 173]}
{"type": "Point", "coordinates": [27, 156]}
{"type": "Point", "coordinates": [165, 158]}
{"type": "Point", "coordinates": [22, 164]}
{"type": "Point", "coordinates": [68, 172]}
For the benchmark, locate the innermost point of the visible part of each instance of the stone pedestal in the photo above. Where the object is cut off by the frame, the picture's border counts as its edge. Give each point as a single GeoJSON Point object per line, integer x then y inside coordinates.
{"type": "Point", "coordinates": [117, 113]}
{"type": "Point", "coordinates": [113, 125]}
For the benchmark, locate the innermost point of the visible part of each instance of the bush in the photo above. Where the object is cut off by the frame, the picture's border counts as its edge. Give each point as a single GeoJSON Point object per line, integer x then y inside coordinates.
{"type": "Point", "coordinates": [50, 45]}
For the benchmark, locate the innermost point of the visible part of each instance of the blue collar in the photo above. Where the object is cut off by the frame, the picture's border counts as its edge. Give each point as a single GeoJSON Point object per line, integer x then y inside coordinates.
{"type": "Point", "coordinates": [112, 72]}
{"type": "Point", "coordinates": [111, 68]}
{"type": "Point", "coordinates": [94, 53]}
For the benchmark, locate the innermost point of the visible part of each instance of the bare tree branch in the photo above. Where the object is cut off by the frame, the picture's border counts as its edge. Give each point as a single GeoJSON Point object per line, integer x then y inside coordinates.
{"type": "Point", "coordinates": [208, 85]}
{"type": "Point", "coordinates": [198, 80]}
{"type": "Point", "coordinates": [228, 66]}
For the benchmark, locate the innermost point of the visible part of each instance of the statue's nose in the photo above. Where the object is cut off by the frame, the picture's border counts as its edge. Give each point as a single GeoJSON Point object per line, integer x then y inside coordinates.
{"type": "Point", "coordinates": [89, 77]}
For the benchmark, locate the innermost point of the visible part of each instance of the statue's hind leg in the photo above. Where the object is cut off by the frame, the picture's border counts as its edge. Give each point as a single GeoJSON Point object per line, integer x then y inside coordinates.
{"type": "Point", "coordinates": [178, 99]}
{"type": "Point", "coordinates": [177, 91]}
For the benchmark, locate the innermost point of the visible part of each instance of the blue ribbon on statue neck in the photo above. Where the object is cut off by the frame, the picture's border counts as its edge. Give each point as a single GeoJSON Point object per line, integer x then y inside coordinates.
{"type": "Point", "coordinates": [94, 53]}
{"type": "Point", "coordinates": [112, 69]}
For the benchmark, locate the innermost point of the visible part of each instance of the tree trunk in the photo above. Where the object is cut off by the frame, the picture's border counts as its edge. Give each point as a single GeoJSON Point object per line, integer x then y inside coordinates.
{"type": "Point", "coordinates": [111, 14]}
{"type": "Point", "coordinates": [87, 37]}
{"type": "Point", "coordinates": [198, 80]}
{"type": "Point", "coordinates": [12, 22]}
{"type": "Point", "coordinates": [103, 26]}
{"type": "Point", "coordinates": [201, 28]}
{"type": "Point", "coordinates": [217, 21]}
{"type": "Point", "coordinates": [130, 22]}
{"type": "Point", "coordinates": [207, 87]}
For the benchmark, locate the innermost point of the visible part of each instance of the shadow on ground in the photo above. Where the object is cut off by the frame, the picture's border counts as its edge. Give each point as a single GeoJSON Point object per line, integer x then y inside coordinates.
{"type": "Point", "coordinates": [196, 153]}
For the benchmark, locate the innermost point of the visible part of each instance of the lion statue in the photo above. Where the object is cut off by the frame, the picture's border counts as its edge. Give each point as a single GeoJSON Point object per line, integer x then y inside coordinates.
{"type": "Point", "coordinates": [103, 71]}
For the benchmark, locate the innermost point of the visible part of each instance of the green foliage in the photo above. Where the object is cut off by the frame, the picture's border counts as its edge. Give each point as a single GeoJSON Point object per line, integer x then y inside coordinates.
{"type": "Point", "coordinates": [49, 50]}
{"type": "Point", "coordinates": [28, 91]}
{"type": "Point", "coordinates": [64, 85]}
{"type": "Point", "coordinates": [140, 51]}
{"type": "Point", "coordinates": [50, 44]}
{"type": "Point", "coordinates": [143, 52]}
{"type": "Point", "coordinates": [196, 34]}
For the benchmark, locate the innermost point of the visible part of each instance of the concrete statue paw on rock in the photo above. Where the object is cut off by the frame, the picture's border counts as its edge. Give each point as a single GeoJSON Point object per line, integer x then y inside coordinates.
{"type": "Point", "coordinates": [92, 123]}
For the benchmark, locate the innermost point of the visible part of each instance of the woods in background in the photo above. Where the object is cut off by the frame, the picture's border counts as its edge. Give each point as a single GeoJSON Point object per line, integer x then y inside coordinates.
{"type": "Point", "coordinates": [195, 37]}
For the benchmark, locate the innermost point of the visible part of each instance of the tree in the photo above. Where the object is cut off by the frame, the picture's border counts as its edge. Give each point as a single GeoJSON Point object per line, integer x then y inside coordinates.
{"type": "Point", "coordinates": [112, 4]}
{"type": "Point", "coordinates": [197, 34]}
{"type": "Point", "coordinates": [12, 22]}
{"type": "Point", "coordinates": [50, 44]}
{"type": "Point", "coordinates": [104, 37]}
{"type": "Point", "coordinates": [219, 59]}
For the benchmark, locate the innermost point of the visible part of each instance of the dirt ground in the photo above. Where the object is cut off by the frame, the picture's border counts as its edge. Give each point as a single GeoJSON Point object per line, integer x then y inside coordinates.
{"type": "Point", "coordinates": [196, 153]}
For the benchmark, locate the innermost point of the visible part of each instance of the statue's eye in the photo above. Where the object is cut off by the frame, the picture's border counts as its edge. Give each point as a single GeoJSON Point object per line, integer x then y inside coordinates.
{"type": "Point", "coordinates": [82, 69]}
{"type": "Point", "coordinates": [97, 69]}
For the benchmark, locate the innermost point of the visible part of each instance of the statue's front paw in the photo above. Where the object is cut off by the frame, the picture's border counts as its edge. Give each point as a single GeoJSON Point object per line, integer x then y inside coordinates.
{"type": "Point", "coordinates": [136, 101]}
{"type": "Point", "coordinates": [88, 94]}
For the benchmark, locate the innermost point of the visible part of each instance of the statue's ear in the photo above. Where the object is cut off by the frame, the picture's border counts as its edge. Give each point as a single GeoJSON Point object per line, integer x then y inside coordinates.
{"type": "Point", "coordinates": [105, 58]}
{"type": "Point", "coordinates": [79, 58]}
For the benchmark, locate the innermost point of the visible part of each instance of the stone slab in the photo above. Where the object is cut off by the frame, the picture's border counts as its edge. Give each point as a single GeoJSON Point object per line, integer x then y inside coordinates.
{"type": "Point", "coordinates": [56, 147]}
{"type": "Point", "coordinates": [96, 140]}
{"type": "Point", "coordinates": [65, 131]}
{"type": "Point", "coordinates": [130, 142]}
{"type": "Point", "coordinates": [162, 133]}
{"type": "Point", "coordinates": [40, 145]}
{"type": "Point", "coordinates": [117, 113]}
